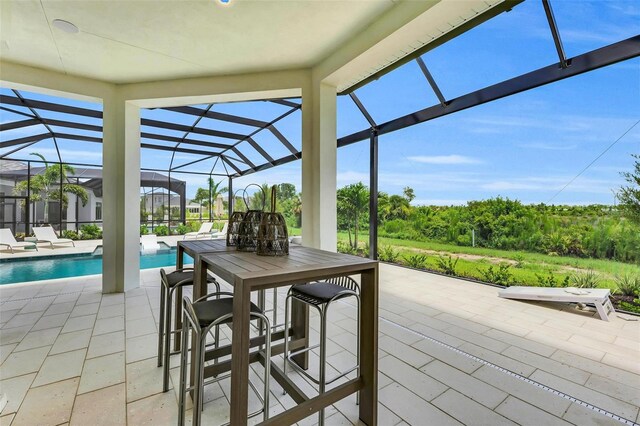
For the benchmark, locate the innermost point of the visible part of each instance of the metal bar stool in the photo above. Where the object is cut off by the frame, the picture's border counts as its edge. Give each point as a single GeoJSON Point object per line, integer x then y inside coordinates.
{"type": "Point", "coordinates": [273, 310]}
{"type": "Point", "coordinates": [201, 316]}
{"type": "Point", "coordinates": [320, 295]}
{"type": "Point", "coordinates": [169, 283]}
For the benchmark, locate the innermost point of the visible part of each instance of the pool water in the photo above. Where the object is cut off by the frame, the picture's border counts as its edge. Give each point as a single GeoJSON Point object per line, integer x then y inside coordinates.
{"type": "Point", "coordinates": [52, 267]}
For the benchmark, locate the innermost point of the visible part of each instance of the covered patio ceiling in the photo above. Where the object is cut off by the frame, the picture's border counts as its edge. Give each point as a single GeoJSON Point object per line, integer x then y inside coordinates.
{"type": "Point", "coordinates": [142, 41]}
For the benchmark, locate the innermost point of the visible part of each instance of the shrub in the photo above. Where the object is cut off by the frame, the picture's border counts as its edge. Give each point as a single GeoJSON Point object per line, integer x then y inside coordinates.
{"type": "Point", "coordinates": [365, 250]}
{"type": "Point", "coordinates": [72, 235]}
{"type": "Point", "coordinates": [589, 279]}
{"type": "Point", "coordinates": [345, 248]}
{"type": "Point", "coordinates": [161, 230]}
{"type": "Point", "coordinates": [502, 275]}
{"type": "Point", "coordinates": [519, 258]}
{"type": "Point", "coordinates": [631, 306]}
{"type": "Point", "coordinates": [183, 229]}
{"type": "Point", "coordinates": [447, 264]}
{"type": "Point", "coordinates": [418, 261]}
{"type": "Point", "coordinates": [388, 254]}
{"type": "Point", "coordinates": [628, 285]}
{"type": "Point", "coordinates": [90, 232]}
{"type": "Point", "coordinates": [464, 240]}
{"type": "Point", "coordinates": [550, 280]}
{"type": "Point", "coordinates": [194, 225]}
{"type": "Point", "coordinates": [144, 230]}
{"type": "Point", "coordinates": [396, 226]}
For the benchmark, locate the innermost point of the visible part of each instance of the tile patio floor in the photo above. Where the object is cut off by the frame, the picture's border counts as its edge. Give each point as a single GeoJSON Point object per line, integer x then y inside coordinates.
{"type": "Point", "coordinates": [72, 355]}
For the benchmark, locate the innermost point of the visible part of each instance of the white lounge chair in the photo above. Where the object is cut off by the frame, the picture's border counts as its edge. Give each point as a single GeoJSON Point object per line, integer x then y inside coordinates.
{"type": "Point", "coordinates": [7, 239]}
{"type": "Point", "coordinates": [204, 231]}
{"type": "Point", "coordinates": [597, 296]}
{"type": "Point", "coordinates": [149, 243]}
{"type": "Point", "coordinates": [222, 233]}
{"type": "Point", "coordinates": [46, 234]}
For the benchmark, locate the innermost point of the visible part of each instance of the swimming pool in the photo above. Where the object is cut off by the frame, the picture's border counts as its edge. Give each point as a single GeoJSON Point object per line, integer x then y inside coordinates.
{"type": "Point", "coordinates": [75, 265]}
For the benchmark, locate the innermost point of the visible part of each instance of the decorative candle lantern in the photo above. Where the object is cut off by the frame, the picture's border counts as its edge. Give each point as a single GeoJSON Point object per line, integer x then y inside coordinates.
{"type": "Point", "coordinates": [233, 229]}
{"type": "Point", "coordinates": [250, 224]}
{"type": "Point", "coordinates": [273, 236]}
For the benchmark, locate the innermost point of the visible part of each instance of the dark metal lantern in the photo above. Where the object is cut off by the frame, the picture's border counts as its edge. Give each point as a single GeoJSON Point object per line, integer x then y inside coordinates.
{"type": "Point", "coordinates": [248, 230]}
{"type": "Point", "coordinates": [273, 236]}
{"type": "Point", "coordinates": [233, 229]}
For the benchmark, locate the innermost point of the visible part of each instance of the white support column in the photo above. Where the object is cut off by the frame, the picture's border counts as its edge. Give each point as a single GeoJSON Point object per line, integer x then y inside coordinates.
{"type": "Point", "coordinates": [319, 217]}
{"type": "Point", "coordinates": [121, 195]}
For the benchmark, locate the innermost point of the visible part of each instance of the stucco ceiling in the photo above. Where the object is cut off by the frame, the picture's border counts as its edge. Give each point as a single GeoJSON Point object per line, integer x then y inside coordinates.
{"type": "Point", "coordinates": [145, 40]}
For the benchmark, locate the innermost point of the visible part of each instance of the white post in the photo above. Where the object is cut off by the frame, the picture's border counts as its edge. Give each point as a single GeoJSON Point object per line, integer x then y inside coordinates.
{"type": "Point", "coordinates": [121, 187]}
{"type": "Point", "coordinates": [319, 217]}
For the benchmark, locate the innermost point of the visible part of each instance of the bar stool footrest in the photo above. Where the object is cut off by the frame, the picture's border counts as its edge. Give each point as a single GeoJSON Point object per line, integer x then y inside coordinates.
{"type": "Point", "coordinates": [308, 375]}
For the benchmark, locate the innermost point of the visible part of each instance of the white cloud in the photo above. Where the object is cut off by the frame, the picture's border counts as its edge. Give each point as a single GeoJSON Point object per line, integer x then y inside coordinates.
{"type": "Point", "coordinates": [422, 182]}
{"type": "Point", "coordinates": [583, 127]}
{"type": "Point", "coordinates": [583, 185]}
{"type": "Point", "coordinates": [549, 146]}
{"type": "Point", "coordinates": [444, 159]}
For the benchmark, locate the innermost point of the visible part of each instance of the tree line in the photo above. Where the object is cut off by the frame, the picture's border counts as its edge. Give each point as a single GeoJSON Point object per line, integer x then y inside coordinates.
{"type": "Point", "coordinates": [595, 231]}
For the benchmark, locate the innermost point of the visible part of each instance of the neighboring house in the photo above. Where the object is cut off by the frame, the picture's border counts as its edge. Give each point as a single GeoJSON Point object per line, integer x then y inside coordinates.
{"type": "Point", "coordinates": [13, 213]}
{"type": "Point", "coordinates": [152, 200]}
{"type": "Point", "coordinates": [195, 208]}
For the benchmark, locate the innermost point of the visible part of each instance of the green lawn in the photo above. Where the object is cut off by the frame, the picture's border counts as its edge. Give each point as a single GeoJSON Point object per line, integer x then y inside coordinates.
{"type": "Point", "coordinates": [525, 269]}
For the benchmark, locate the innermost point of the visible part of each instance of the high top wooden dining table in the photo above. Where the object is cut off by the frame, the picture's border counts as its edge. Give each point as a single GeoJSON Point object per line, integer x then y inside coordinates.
{"type": "Point", "coordinates": [248, 272]}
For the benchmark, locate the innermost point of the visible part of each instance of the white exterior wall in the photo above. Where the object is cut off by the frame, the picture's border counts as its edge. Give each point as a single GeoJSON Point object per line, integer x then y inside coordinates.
{"type": "Point", "coordinates": [87, 213]}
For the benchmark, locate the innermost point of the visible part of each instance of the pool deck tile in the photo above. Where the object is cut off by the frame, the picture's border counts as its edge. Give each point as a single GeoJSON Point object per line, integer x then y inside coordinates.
{"type": "Point", "coordinates": [97, 356]}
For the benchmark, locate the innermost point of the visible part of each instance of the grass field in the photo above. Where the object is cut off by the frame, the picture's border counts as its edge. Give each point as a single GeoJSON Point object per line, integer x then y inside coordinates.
{"type": "Point", "coordinates": [525, 268]}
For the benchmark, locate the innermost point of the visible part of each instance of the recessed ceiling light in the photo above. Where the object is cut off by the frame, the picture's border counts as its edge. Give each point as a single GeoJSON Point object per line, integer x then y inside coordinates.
{"type": "Point", "coordinates": [65, 26]}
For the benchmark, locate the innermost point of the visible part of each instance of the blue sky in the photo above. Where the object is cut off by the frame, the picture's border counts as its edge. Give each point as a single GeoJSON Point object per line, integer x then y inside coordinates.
{"type": "Point", "coordinates": [527, 146]}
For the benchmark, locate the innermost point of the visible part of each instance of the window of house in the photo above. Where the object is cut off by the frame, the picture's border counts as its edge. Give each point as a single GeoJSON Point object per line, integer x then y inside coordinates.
{"type": "Point", "coordinates": [98, 211]}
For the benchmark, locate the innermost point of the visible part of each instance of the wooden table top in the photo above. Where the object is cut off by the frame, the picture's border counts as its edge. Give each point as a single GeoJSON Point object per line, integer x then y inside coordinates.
{"type": "Point", "coordinates": [204, 246]}
{"type": "Point", "coordinates": [301, 265]}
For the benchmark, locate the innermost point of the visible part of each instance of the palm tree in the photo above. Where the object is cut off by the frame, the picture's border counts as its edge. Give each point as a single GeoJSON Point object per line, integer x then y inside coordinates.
{"type": "Point", "coordinates": [214, 191]}
{"type": "Point", "coordinates": [259, 199]}
{"type": "Point", "coordinates": [46, 186]}
{"type": "Point", "coordinates": [408, 193]}
{"type": "Point", "coordinates": [353, 201]}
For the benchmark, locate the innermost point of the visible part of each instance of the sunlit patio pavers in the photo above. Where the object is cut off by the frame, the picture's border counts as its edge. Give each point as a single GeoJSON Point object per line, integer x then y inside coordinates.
{"type": "Point", "coordinates": [104, 349]}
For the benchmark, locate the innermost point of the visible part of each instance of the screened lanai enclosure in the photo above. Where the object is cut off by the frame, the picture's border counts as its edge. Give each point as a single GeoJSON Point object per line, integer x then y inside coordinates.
{"type": "Point", "coordinates": [80, 189]}
{"type": "Point", "coordinates": [213, 147]}
{"type": "Point", "coordinates": [192, 145]}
